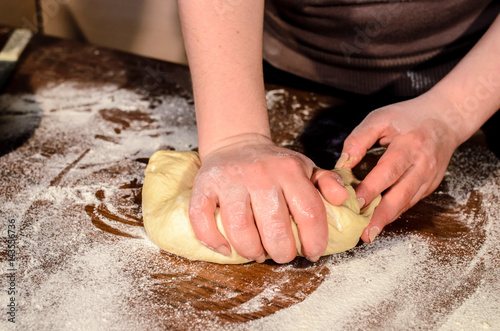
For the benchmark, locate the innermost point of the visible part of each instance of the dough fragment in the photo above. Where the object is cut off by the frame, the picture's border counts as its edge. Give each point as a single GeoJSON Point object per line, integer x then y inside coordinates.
{"type": "Point", "coordinates": [165, 203]}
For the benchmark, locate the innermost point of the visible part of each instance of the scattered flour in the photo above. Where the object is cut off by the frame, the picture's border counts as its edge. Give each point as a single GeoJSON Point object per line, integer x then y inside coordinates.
{"type": "Point", "coordinates": [400, 283]}
{"type": "Point", "coordinates": [75, 276]}
{"type": "Point", "coordinates": [71, 275]}
{"type": "Point", "coordinates": [255, 304]}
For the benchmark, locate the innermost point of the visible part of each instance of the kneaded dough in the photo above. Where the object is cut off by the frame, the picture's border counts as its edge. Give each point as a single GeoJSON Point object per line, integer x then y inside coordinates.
{"type": "Point", "coordinates": [165, 204]}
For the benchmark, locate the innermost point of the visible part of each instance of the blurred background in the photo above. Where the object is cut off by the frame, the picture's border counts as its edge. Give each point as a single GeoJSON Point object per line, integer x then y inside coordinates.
{"type": "Point", "coordinates": [145, 27]}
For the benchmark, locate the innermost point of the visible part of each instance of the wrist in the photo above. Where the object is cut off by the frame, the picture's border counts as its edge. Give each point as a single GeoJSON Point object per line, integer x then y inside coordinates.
{"type": "Point", "coordinates": [450, 114]}
{"type": "Point", "coordinates": [234, 141]}
{"type": "Point", "coordinates": [469, 104]}
{"type": "Point", "coordinates": [230, 122]}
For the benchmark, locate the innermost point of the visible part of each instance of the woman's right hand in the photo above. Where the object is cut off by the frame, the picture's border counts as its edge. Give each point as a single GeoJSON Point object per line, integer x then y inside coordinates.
{"type": "Point", "coordinates": [257, 186]}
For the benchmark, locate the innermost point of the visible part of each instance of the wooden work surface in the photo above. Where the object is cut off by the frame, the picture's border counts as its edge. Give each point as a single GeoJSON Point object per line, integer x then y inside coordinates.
{"type": "Point", "coordinates": [78, 124]}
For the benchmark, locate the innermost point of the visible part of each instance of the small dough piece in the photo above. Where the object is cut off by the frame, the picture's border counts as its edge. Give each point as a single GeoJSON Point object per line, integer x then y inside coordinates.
{"type": "Point", "coordinates": [165, 204]}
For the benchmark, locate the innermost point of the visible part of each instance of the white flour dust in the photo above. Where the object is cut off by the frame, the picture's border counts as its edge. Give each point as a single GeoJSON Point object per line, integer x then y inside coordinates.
{"type": "Point", "coordinates": [75, 276]}
{"type": "Point", "coordinates": [392, 284]}
{"type": "Point", "coordinates": [71, 275]}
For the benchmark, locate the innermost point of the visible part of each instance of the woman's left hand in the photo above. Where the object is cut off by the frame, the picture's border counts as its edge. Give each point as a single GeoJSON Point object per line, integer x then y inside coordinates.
{"type": "Point", "coordinates": [421, 135]}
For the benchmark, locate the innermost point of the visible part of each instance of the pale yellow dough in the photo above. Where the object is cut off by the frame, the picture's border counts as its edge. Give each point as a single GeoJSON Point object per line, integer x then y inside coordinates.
{"type": "Point", "coordinates": [165, 203]}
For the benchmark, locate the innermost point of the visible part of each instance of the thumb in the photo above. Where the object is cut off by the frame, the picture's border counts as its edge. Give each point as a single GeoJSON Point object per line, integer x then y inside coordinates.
{"type": "Point", "coordinates": [331, 186]}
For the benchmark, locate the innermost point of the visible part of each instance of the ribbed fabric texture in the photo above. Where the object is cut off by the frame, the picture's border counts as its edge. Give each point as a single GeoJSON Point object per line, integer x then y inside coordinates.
{"type": "Point", "coordinates": [401, 48]}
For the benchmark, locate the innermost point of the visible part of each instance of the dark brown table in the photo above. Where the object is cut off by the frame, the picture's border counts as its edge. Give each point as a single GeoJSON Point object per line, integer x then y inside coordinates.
{"type": "Point", "coordinates": [78, 124]}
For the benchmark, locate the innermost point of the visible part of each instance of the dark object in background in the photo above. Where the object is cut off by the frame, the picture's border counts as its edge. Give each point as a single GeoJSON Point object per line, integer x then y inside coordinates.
{"type": "Point", "coordinates": [324, 135]}
{"type": "Point", "coordinates": [16, 126]}
{"type": "Point", "coordinates": [10, 53]}
{"type": "Point", "coordinates": [492, 133]}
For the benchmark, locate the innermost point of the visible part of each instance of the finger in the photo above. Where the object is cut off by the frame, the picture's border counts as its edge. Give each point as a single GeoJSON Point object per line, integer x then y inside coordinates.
{"type": "Point", "coordinates": [237, 218]}
{"type": "Point", "coordinates": [427, 188]}
{"type": "Point", "coordinates": [361, 139]}
{"type": "Point", "coordinates": [309, 214]}
{"type": "Point", "coordinates": [399, 198]}
{"type": "Point", "coordinates": [201, 214]}
{"type": "Point", "coordinates": [331, 186]}
{"type": "Point", "coordinates": [273, 221]}
{"type": "Point", "coordinates": [389, 169]}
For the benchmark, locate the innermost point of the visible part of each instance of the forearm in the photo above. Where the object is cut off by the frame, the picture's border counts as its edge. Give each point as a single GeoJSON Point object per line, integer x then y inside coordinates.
{"type": "Point", "coordinates": [472, 88]}
{"type": "Point", "coordinates": [224, 47]}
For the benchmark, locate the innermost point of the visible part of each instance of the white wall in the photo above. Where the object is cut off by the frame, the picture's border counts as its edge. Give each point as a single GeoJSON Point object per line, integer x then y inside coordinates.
{"type": "Point", "coordinates": [145, 27]}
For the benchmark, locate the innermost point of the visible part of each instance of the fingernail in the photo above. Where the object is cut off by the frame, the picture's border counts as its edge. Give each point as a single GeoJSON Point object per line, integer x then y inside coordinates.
{"type": "Point", "coordinates": [340, 180]}
{"type": "Point", "coordinates": [373, 233]}
{"type": "Point", "coordinates": [361, 202]}
{"type": "Point", "coordinates": [343, 158]}
{"type": "Point", "coordinates": [223, 250]}
{"type": "Point", "coordinates": [314, 258]}
{"type": "Point", "coordinates": [261, 258]}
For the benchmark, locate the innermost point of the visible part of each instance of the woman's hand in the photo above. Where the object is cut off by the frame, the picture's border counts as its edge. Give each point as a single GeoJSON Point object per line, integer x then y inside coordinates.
{"type": "Point", "coordinates": [257, 186]}
{"type": "Point", "coordinates": [421, 135]}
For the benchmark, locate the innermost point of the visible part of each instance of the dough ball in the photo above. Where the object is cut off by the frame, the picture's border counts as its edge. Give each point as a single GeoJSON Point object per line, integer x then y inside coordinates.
{"type": "Point", "coordinates": [165, 204]}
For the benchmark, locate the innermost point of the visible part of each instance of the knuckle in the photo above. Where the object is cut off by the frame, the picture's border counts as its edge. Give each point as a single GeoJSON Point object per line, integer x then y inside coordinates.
{"type": "Point", "coordinates": [196, 204]}
{"type": "Point", "coordinates": [311, 214]}
{"type": "Point", "coordinates": [365, 191]}
{"type": "Point", "coordinates": [418, 141]}
{"type": "Point", "coordinates": [432, 163]}
{"type": "Point", "coordinates": [204, 177]}
{"type": "Point", "coordinates": [371, 118]}
{"type": "Point", "coordinates": [394, 170]}
{"type": "Point", "coordinates": [234, 170]}
{"type": "Point", "coordinates": [353, 140]}
{"type": "Point", "coordinates": [318, 176]}
{"type": "Point", "coordinates": [238, 223]}
{"type": "Point", "coordinates": [407, 195]}
{"type": "Point", "coordinates": [292, 164]}
{"type": "Point", "coordinates": [257, 169]}
{"type": "Point", "coordinates": [275, 230]}
{"type": "Point", "coordinates": [196, 216]}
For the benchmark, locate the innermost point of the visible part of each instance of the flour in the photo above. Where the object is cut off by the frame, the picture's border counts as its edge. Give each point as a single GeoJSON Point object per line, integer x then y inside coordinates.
{"type": "Point", "coordinates": [66, 279]}
{"type": "Point", "coordinates": [87, 158]}
{"type": "Point", "coordinates": [397, 277]}
{"type": "Point", "coordinates": [355, 285]}
{"type": "Point", "coordinates": [286, 126]}
{"type": "Point", "coordinates": [255, 304]}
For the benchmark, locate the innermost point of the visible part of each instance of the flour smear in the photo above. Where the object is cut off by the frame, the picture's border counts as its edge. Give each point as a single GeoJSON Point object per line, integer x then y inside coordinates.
{"type": "Point", "coordinates": [72, 276]}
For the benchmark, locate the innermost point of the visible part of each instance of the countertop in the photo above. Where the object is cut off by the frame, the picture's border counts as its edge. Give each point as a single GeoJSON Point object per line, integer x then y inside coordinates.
{"type": "Point", "coordinates": [78, 124]}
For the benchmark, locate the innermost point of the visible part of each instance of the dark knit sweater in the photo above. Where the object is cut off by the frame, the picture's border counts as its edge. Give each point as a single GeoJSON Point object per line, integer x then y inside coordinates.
{"type": "Point", "coordinates": [400, 48]}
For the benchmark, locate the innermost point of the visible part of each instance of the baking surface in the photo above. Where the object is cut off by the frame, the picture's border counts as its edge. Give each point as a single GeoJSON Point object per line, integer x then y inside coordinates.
{"type": "Point", "coordinates": [82, 122]}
